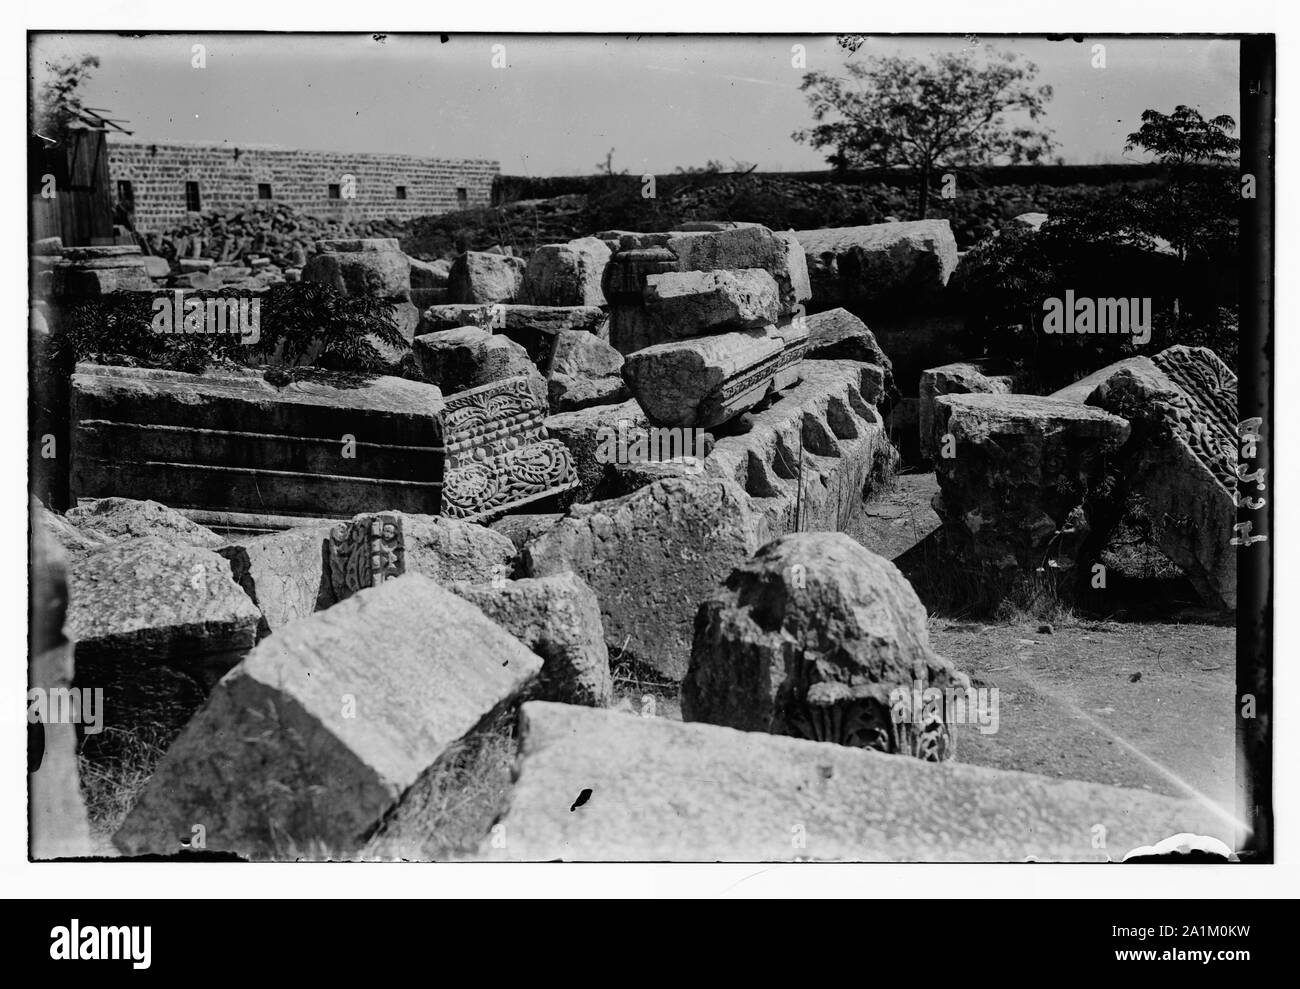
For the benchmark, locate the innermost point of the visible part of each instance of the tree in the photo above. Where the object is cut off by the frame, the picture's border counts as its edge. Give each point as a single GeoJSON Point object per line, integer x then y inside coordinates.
{"type": "Point", "coordinates": [58, 104]}
{"type": "Point", "coordinates": [1194, 210]}
{"type": "Point", "coordinates": [951, 112]}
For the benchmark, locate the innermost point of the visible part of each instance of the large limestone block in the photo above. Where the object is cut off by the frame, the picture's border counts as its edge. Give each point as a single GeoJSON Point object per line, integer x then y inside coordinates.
{"type": "Point", "coordinates": [468, 357]}
{"type": "Point", "coordinates": [745, 246]}
{"type": "Point", "coordinates": [558, 618]}
{"type": "Point", "coordinates": [149, 601]}
{"type": "Point", "coordinates": [480, 278]}
{"type": "Point", "coordinates": [689, 303]}
{"type": "Point", "coordinates": [1182, 458]}
{"type": "Point", "coordinates": [91, 272]}
{"type": "Point", "coordinates": [1022, 470]}
{"type": "Point", "coordinates": [815, 637]}
{"type": "Point", "coordinates": [704, 381]}
{"type": "Point", "coordinates": [651, 557]}
{"type": "Point", "coordinates": [810, 459]}
{"type": "Point", "coordinates": [585, 371]}
{"type": "Point", "coordinates": [855, 266]}
{"type": "Point", "coordinates": [156, 624]}
{"type": "Point", "coordinates": [604, 786]}
{"type": "Point", "coordinates": [717, 247]}
{"type": "Point", "coordinates": [230, 441]}
{"type": "Point", "coordinates": [567, 274]}
{"type": "Point", "coordinates": [964, 378]}
{"type": "Point", "coordinates": [374, 267]}
{"type": "Point", "coordinates": [302, 748]}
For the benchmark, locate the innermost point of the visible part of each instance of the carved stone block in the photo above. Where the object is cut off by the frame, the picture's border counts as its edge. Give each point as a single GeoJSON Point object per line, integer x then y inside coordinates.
{"type": "Point", "coordinates": [365, 552]}
{"type": "Point", "coordinates": [498, 454]}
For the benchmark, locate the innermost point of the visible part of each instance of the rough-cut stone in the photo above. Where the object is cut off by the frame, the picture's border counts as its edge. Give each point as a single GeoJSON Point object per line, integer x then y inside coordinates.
{"type": "Point", "coordinates": [229, 442]}
{"type": "Point", "coordinates": [817, 637]}
{"type": "Point", "coordinates": [114, 519]}
{"type": "Point", "coordinates": [689, 303]}
{"type": "Point", "coordinates": [290, 574]}
{"type": "Point", "coordinates": [426, 275]}
{"type": "Point", "coordinates": [456, 360]}
{"type": "Point", "coordinates": [838, 335]}
{"type": "Point", "coordinates": [1182, 458]}
{"type": "Point", "coordinates": [85, 275]}
{"type": "Point", "coordinates": [794, 266]}
{"type": "Point", "coordinates": [650, 557]}
{"type": "Point", "coordinates": [704, 381]}
{"type": "Point", "coordinates": [830, 421]}
{"type": "Point", "coordinates": [156, 266]}
{"type": "Point", "coordinates": [480, 277]}
{"type": "Point", "coordinates": [535, 328]}
{"type": "Point", "coordinates": [966, 378]}
{"type": "Point", "coordinates": [744, 246]}
{"type": "Point", "coordinates": [499, 456]}
{"type": "Point", "coordinates": [721, 247]}
{"type": "Point", "coordinates": [558, 618]}
{"type": "Point", "coordinates": [855, 266]}
{"type": "Point", "coordinates": [56, 810]}
{"type": "Point", "coordinates": [374, 267]}
{"type": "Point", "coordinates": [585, 433]}
{"type": "Point", "coordinates": [567, 274]}
{"type": "Point", "coordinates": [584, 371]}
{"type": "Point", "coordinates": [157, 625]}
{"type": "Point", "coordinates": [302, 748]}
{"type": "Point", "coordinates": [660, 790]}
{"type": "Point", "coordinates": [1016, 488]}
{"type": "Point", "coordinates": [627, 271]}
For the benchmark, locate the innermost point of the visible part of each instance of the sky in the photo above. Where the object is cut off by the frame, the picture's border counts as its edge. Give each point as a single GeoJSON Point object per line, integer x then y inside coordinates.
{"type": "Point", "coordinates": [560, 103]}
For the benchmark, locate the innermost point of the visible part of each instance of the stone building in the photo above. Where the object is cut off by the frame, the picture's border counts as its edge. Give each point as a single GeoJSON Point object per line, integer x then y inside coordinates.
{"type": "Point", "coordinates": [160, 182]}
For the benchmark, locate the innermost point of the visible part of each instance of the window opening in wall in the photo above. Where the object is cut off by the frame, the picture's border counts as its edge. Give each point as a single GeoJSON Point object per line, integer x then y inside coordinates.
{"type": "Point", "coordinates": [462, 196]}
{"type": "Point", "coordinates": [193, 202]}
{"type": "Point", "coordinates": [401, 192]}
{"type": "Point", "coordinates": [264, 190]}
{"type": "Point", "coordinates": [334, 191]}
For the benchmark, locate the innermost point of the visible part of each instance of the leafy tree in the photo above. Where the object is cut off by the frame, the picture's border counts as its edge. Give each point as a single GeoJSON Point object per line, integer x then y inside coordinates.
{"type": "Point", "coordinates": [58, 104]}
{"type": "Point", "coordinates": [952, 112]}
{"type": "Point", "coordinates": [1194, 210]}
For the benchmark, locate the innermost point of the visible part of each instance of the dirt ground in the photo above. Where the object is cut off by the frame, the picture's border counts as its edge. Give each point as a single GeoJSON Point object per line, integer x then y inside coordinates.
{"type": "Point", "coordinates": [1148, 706]}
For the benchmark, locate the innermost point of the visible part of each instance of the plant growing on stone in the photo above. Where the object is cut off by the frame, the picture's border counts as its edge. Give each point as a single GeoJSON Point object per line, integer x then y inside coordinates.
{"type": "Point", "coordinates": [955, 111]}
{"type": "Point", "coordinates": [307, 319]}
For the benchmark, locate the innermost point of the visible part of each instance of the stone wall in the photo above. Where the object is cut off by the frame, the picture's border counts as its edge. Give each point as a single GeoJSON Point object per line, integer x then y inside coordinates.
{"type": "Point", "coordinates": [229, 176]}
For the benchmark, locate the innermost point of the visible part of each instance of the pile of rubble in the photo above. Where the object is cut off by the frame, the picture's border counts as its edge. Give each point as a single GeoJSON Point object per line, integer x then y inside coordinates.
{"type": "Point", "coordinates": [348, 579]}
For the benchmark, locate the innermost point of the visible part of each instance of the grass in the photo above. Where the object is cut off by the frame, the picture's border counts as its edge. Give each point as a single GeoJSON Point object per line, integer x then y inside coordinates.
{"type": "Point", "coordinates": [122, 763]}
{"type": "Point", "coordinates": [451, 808]}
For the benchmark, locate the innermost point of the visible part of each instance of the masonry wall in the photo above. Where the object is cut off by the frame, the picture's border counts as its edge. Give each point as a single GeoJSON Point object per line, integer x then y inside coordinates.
{"type": "Point", "coordinates": [228, 178]}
